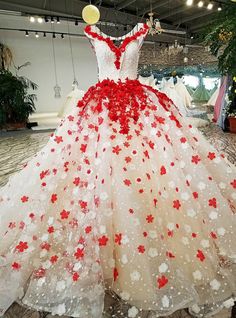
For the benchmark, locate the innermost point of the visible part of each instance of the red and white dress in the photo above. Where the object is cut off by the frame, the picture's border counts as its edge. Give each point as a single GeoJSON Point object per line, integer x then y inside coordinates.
{"type": "Point", "coordinates": [125, 196]}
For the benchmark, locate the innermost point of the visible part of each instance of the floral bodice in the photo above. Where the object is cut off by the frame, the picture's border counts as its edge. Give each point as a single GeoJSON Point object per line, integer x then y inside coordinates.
{"type": "Point", "coordinates": [117, 62]}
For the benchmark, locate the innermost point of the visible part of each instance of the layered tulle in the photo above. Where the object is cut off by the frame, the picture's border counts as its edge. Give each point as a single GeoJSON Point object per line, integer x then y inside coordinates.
{"type": "Point", "coordinates": [140, 204]}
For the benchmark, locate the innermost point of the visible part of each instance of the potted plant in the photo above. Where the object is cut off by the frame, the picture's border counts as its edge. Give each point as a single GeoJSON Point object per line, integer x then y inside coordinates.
{"type": "Point", "coordinates": [222, 42]}
{"type": "Point", "coordinates": [16, 104]}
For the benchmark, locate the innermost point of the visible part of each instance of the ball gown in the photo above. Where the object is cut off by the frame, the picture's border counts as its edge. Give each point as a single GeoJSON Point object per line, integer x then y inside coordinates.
{"type": "Point", "coordinates": [170, 90]}
{"type": "Point", "coordinates": [71, 101]}
{"type": "Point", "coordinates": [125, 197]}
{"type": "Point", "coordinates": [183, 92]}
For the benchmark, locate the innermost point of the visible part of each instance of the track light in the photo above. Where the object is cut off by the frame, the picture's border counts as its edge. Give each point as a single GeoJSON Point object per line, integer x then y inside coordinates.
{"type": "Point", "coordinates": [200, 4]}
{"type": "Point", "coordinates": [220, 7]}
{"type": "Point", "coordinates": [62, 36]}
{"type": "Point", "coordinates": [32, 19]}
{"type": "Point", "coordinates": [189, 2]}
{"type": "Point", "coordinates": [58, 20]}
{"type": "Point", "coordinates": [210, 6]}
{"type": "Point", "coordinates": [36, 35]}
{"type": "Point", "coordinates": [46, 19]}
{"type": "Point", "coordinates": [44, 34]}
{"type": "Point", "coordinates": [54, 35]}
{"type": "Point", "coordinates": [52, 20]}
{"type": "Point", "coordinates": [40, 20]}
{"type": "Point", "coordinates": [76, 22]}
{"type": "Point", "coordinates": [27, 34]}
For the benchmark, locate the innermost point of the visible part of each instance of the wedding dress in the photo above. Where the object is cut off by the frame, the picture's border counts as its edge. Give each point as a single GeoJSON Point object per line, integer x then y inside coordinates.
{"type": "Point", "coordinates": [150, 80]}
{"type": "Point", "coordinates": [125, 196]}
{"type": "Point", "coordinates": [71, 101]}
{"type": "Point", "coordinates": [214, 96]}
{"type": "Point", "coordinates": [183, 92]}
{"type": "Point", "coordinates": [170, 91]}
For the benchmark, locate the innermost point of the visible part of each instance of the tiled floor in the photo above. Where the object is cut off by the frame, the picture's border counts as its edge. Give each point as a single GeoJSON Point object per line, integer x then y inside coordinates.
{"type": "Point", "coordinates": [18, 147]}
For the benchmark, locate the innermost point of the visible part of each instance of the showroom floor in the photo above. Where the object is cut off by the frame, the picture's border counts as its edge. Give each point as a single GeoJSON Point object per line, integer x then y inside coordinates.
{"type": "Point", "coordinates": [17, 147]}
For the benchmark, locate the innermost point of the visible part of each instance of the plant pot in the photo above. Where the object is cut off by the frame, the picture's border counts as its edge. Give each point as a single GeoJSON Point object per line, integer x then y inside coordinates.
{"type": "Point", "coordinates": [16, 126]}
{"type": "Point", "coordinates": [232, 124]}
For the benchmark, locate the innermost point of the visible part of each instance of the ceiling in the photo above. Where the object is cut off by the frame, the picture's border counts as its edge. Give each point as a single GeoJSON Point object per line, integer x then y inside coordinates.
{"type": "Point", "coordinates": [173, 14]}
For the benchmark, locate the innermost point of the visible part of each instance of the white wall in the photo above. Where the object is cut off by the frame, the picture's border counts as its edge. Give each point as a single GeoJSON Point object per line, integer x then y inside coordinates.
{"type": "Point", "coordinates": [39, 53]}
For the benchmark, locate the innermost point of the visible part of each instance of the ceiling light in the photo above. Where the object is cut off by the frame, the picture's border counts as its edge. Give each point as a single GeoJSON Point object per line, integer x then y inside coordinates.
{"type": "Point", "coordinates": [52, 20]}
{"type": "Point", "coordinates": [27, 33]}
{"type": "Point", "coordinates": [200, 4]}
{"type": "Point", "coordinates": [189, 2]}
{"type": "Point", "coordinates": [36, 35]}
{"type": "Point", "coordinates": [210, 6]}
{"type": "Point", "coordinates": [40, 20]}
{"type": "Point", "coordinates": [32, 19]}
{"type": "Point", "coordinates": [58, 20]}
{"type": "Point", "coordinates": [220, 8]}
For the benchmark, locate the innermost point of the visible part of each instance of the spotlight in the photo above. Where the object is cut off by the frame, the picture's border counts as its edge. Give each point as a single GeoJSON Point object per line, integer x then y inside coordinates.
{"type": "Point", "coordinates": [189, 2]}
{"type": "Point", "coordinates": [44, 34]}
{"type": "Point", "coordinates": [210, 6]}
{"type": "Point", "coordinates": [62, 36]}
{"type": "Point", "coordinates": [46, 19]}
{"type": "Point", "coordinates": [200, 4]}
{"type": "Point", "coordinates": [220, 8]}
{"type": "Point", "coordinates": [76, 22]}
{"type": "Point", "coordinates": [52, 20]}
{"type": "Point", "coordinates": [36, 35]}
{"type": "Point", "coordinates": [58, 20]}
{"type": "Point", "coordinates": [192, 37]}
{"type": "Point", "coordinates": [40, 20]}
{"type": "Point", "coordinates": [27, 33]}
{"type": "Point", "coordinates": [32, 19]}
{"type": "Point", "coordinates": [54, 35]}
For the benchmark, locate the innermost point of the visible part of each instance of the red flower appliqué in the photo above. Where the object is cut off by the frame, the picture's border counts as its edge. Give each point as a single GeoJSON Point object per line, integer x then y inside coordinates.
{"type": "Point", "coordinates": [79, 253]}
{"type": "Point", "coordinates": [141, 249]}
{"type": "Point", "coordinates": [103, 240]}
{"type": "Point", "coordinates": [211, 155]}
{"type": "Point", "coordinates": [176, 204]}
{"type": "Point", "coordinates": [162, 281]}
{"type": "Point", "coordinates": [118, 238]}
{"type": "Point", "coordinates": [15, 266]}
{"type": "Point", "coordinates": [196, 159]}
{"type": "Point", "coordinates": [64, 214]}
{"type": "Point", "coordinates": [233, 183]}
{"type": "Point", "coordinates": [200, 255]}
{"type": "Point", "coordinates": [24, 199]}
{"type": "Point", "coordinates": [22, 246]}
{"type": "Point", "coordinates": [212, 202]}
{"type": "Point", "coordinates": [150, 218]}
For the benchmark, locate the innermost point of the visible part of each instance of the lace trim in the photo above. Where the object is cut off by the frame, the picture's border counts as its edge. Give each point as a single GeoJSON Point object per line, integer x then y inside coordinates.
{"type": "Point", "coordinates": [118, 50]}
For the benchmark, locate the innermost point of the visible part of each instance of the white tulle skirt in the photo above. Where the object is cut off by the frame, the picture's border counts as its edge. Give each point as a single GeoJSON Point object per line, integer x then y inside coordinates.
{"type": "Point", "coordinates": [127, 197]}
